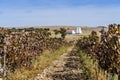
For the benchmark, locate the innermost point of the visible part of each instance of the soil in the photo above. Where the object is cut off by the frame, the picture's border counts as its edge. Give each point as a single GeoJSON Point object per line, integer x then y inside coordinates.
{"type": "Point", "coordinates": [66, 67]}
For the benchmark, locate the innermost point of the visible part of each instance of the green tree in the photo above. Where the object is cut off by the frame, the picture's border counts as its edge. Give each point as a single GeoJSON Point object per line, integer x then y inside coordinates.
{"type": "Point", "coordinates": [63, 32]}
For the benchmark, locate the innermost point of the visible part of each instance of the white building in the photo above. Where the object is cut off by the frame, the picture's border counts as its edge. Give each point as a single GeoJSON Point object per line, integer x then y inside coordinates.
{"type": "Point", "coordinates": [78, 30]}
{"type": "Point", "coordinates": [70, 32]}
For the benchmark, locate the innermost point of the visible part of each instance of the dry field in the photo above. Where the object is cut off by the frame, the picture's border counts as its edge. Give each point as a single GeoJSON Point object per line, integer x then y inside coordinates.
{"type": "Point", "coordinates": [69, 37]}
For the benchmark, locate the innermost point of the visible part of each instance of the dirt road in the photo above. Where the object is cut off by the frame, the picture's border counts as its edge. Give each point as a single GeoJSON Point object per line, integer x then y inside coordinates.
{"type": "Point", "coordinates": [66, 67]}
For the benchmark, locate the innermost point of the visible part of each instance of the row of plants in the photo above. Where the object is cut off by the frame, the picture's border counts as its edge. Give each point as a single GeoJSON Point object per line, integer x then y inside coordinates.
{"type": "Point", "coordinates": [105, 49]}
{"type": "Point", "coordinates": [19, 47]}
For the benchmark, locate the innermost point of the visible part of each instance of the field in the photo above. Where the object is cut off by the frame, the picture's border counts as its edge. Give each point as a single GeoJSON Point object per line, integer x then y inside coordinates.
{"type": "Point", "coordinates": [37, 53]}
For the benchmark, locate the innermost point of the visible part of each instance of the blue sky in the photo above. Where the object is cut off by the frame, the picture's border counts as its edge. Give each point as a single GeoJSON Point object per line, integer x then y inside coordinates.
{"type": "Point", "coordinates": [59, 12]}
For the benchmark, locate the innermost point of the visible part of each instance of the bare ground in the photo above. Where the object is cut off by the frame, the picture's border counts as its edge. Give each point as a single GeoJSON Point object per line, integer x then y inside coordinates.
{"type": "Point", "coordinates": [66, 67]}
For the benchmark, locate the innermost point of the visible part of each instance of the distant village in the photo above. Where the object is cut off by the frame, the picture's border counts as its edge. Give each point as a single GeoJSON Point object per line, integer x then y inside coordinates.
{"type": "Point", "coordinates": [74, 31]}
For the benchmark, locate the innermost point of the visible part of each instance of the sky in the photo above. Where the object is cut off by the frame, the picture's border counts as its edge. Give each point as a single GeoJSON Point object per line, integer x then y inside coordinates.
{"type": "Point", "coordinates": [16, 13]}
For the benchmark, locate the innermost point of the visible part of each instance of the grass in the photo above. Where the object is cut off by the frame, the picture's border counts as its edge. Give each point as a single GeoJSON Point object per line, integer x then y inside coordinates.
{"type": "Point", "coordinates": [38, 65]}
{"type": "Point", "coordinates": [90, 67]}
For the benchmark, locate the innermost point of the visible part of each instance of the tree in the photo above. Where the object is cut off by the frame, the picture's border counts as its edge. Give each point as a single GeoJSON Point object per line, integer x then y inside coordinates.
{"type": "Point", "coordinates": [63, 32]}
{"type": "Point", "coordinates": [56, 32]}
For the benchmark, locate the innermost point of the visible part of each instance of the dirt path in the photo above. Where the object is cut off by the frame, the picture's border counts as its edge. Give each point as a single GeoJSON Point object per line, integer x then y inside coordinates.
{"type": "Point", "coordinates": [66, 67]}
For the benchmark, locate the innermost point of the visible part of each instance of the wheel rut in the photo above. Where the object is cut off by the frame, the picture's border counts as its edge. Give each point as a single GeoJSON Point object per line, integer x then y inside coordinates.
{"type": "Point", "coordinates": [66, 67]}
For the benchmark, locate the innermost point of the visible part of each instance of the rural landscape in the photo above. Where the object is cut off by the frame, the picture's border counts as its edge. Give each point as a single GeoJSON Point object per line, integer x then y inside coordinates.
{"type": "Point", "coordinates": [59, 40]}
{"type": "Point", "coordinates": [53, 54]}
